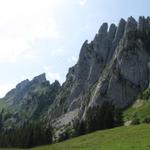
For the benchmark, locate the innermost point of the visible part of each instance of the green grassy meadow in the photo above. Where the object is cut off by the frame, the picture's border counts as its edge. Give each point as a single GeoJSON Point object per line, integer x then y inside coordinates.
{"type": "Point", "coordinates": [121, 138]}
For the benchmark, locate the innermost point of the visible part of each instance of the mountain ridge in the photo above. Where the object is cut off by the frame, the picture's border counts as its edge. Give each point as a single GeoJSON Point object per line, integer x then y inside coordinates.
{"type": "Point", "coordinates": [113, 68]}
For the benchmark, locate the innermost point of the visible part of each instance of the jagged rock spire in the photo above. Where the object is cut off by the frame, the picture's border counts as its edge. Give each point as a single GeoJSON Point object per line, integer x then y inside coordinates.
{"type": "Point", "coordinates": [39, 79]}
{"type": "Point", "coordinates": [120, 30]}
{"type": "Point", "coordinates": [144, 23]}
{"type": "Point", "coordinates": [103, 29]}
{"type": "Point", "coordinates": [23, 84]}
{"type": "Point", "coordinates": [131, 25]}
{"type": "Point", "coordinates": [112, 31]}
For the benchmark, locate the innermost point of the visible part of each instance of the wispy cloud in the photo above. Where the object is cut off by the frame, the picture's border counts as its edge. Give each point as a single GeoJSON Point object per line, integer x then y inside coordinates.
{"type": "Point", "coordinates": [56, 52]}
{"type": "Point", "coordinates": [22, 22]}
{"type": "Point", "coordinates": [73, 59]}
{"type": "Point", "coordinates": [82, 2]}
{"type": "Point", "coordinates": [51, 74]}
{"type": "Point", "coordinates": [4, 88]}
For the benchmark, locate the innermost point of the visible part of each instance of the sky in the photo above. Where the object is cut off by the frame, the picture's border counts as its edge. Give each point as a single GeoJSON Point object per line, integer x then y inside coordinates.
{"type": "Point", "coordinates": [38, 36]}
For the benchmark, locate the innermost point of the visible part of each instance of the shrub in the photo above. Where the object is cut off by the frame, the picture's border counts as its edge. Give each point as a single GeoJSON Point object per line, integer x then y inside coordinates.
{"type": "Point", "coordinates": [146, 120]}
{"type": "Point", "coordinates": [135, 121]}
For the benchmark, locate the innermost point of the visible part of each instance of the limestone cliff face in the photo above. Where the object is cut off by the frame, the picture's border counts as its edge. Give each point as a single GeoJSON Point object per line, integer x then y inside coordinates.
{"type": "Point", "coordinates": [113, 67]}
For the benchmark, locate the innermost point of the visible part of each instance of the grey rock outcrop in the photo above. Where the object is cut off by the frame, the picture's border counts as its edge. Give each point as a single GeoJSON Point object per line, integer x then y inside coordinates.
{"type": "Point", "coordinates": [113, 67]}
{"type": "Point", "coordinates": [120, 31]}
{"type": "Point", "coordinates": [39, 79]}
{"type": "Point", "coordinates": [131, 25]}
{"type": "Point", "coordinates": [143, 23]}
{"type": "Point", "coordinates": [23, 84]}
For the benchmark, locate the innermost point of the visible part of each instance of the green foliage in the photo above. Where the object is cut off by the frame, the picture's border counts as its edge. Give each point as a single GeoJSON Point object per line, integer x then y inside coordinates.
{"type": "Point", "coordinates": [3, 105]}
{"type": "Point", "coordinates": [140, 113]}
{"type": "Point", "coordinates": [135, 121]}
{"type": "Point", "coordinates": [122, 138]}
{"type": "Point", "coordinates": [79, 128]}
{"type": "Point", "coordinates": [1, 125]}
{"type": "Point", "coordinates": [103, 117]}
{"type": "Point", "coordinates": [30, 135]}
{"type": "Point", "coordinates": [98, 118]}
{"type": "Point", "coordinates": [146, 119]}
{"type": "Point", "coordinates": [145, 95]}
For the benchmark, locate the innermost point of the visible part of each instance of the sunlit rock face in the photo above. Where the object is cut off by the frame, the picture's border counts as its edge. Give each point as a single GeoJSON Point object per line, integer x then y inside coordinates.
{"type": "Point", "coordinates": [113, 67]}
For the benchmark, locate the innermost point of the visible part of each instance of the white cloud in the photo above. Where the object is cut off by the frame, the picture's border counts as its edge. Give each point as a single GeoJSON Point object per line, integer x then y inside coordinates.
{"type": "Point", "coordinates": [56, 52]}
{"type": "Point", "coordinates": [51, 74]}
{"type": "Point", "coordinates": [24, 21]}
{"type": "Point", "coordinates": [73, 59]}
{"type": "Point", "coordinates": [4, 88]}
{"type": "Point", "coordinates": [82, 2]}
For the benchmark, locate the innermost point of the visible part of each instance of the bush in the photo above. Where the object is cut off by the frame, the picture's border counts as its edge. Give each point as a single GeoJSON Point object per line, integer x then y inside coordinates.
{"type": "Point", "coordinates": [79, 128]}
{"type": "Point", "coordinates": [64, 136]}
{"type": "Point", "coordinates": [135, 121]}
{"type": "Point", "coordinates": [145, 95]}
{"type": "Point", "coordinates": [146, 120]}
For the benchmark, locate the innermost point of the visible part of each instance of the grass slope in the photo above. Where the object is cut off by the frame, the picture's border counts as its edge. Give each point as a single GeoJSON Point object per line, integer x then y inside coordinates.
{"type": "Point", "coordinates": [122, 138]}
{"type": "Point", "coordinates": [140, 112]}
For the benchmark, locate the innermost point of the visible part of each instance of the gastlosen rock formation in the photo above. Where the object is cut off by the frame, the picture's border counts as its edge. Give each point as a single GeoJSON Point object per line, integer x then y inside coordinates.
{"type": "Point", "coordinates": [114, 67]}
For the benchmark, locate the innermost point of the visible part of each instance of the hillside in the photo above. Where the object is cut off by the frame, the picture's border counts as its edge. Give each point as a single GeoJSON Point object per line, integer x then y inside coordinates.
{"type": "Point", "coordinates": [28, 101]}
{"type": "Point", "coordinates": [139, 112]}
{"type": "Point", "coordinates": [122, 138]}
{"type": "Point", "coordinates": [111, 72]}
{"type": "Point", "coordinates": [113, 68]}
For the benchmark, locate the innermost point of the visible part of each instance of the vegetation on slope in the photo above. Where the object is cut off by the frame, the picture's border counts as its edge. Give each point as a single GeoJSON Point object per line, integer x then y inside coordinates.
{"type": "Point", "coordinates": [30, 135]}
{"type": "Point", "coordinates": [122, 138]}
{"type": "Point", "coordinates": [139, 112]}
{"type": "Point", "coordinates": [101, 117]}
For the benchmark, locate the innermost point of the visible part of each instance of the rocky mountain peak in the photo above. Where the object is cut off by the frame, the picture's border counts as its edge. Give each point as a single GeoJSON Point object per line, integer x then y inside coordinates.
{"type": "Point", "coordinates": [120, 31]}
{"type": "Point", "coordinates": [103, 29]}
{"type": "Point", "coordinates": [144, 23]}
{"type": "Point", "coordinates": [131, 25]}
{"type": "Point", "coordinates": [112, 31]}
{"type": "Point", "coordinates": [23, 84]}
{"type": "Point", "coordinates": [110, 68]}
{"type": "Point", "coordinates": [39, 79]}
{"type": "Point", "coordinates": [55, 85]}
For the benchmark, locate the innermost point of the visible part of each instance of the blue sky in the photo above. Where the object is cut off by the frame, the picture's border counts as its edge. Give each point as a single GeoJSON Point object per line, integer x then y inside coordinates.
{"type": "Point", "coordinates": [39, 36]}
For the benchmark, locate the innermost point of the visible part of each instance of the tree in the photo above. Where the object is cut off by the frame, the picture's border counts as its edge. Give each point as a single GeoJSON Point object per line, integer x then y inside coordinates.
{"type": "Point", "coordinates": [79, 128]}
{"type": "Point", "coordinates": [1, 125]}
{"type": "Point", "coordinates": [103, 117]}
{"type": "Point", "coordinates": [29, 135]}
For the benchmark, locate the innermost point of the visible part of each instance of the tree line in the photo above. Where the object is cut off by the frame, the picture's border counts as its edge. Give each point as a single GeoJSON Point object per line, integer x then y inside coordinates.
{"type": "Point", "coordinates": [30, 135]}
{"type": "Point", "coordinates": [38, 133]}
{"type": "Point", "coordinates": [97, 118]}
